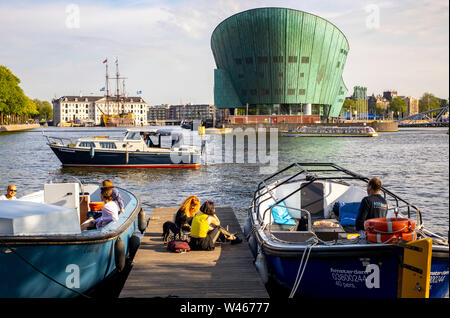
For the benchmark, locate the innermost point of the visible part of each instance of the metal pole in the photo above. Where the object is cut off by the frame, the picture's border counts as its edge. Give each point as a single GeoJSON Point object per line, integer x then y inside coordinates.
{"type": "Point", "coordinates": [246, 116]}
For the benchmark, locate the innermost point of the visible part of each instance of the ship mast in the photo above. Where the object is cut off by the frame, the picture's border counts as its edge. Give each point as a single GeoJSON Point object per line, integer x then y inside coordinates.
{"type": "Point", "coordinates": [107, 88]}
{"type": "Point", "coordinates": [118, 89]}
{"type": "Point", "coordinates": [117, 84]}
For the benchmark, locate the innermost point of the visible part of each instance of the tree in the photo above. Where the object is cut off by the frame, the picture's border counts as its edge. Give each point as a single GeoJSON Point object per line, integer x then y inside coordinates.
{"type": "Point", "coordinates": [349, 105]}
{"type": "Point", "coordinates": [44, 109]}
{"type": "Point", "coordinates": [398, 105]}
{"type": "Point", "coordinates": [379, 108]}
{"type": "Point", "coordinates": [14, 105]}
{"type": "Point", "coordinates": [428, 102]}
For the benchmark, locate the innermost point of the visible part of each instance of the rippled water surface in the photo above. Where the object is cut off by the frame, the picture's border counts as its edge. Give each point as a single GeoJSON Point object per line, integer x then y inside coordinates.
{"type": "Point", "coordinates": [412, 163]}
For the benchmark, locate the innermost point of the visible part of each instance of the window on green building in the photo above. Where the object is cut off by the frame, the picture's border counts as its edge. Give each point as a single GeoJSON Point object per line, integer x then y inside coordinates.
{"type": "Point", "coordinates": [277, 59]}
{"type": "Point", "coordinates": [305, 59]}
{"type": "Point", "coordinates": [291, 91]}
{"type": "Point", "coordinates": [292, 59]}
{"type": "Point", "coordinates": [262, 59]}
{"type": "Point", "coordinates": [301, 91]}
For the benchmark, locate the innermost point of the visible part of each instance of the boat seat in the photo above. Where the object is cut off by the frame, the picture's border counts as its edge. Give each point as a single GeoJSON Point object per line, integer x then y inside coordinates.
{"type": "Point", "coordinates": [284, 227]}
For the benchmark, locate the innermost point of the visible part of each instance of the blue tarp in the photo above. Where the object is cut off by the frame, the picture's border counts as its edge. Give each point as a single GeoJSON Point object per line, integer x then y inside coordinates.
{"type": "Point", "coordinates": [281, 215]}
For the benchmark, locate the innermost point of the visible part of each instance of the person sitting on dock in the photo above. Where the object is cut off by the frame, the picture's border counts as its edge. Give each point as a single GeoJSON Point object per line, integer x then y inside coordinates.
{"type": "Point", "coordinates": [186, 212]}
{"type": "Point", "coordinates": [183, 219]}
{"type": "Point", "coordinates": [110, 212]}
{"type": "Point", "coordinates": [107, 184]}
{"type": "Point", "coordinates": [206, 229]}
{"type": "Point", "coordinates": [11, 191]}
{"type": "Point", "coordinates": [372, 206]}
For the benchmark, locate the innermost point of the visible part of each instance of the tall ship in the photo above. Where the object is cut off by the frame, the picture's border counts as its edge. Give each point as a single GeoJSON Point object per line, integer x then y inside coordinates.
{"type": "Point", "coordinates": [121, 118]}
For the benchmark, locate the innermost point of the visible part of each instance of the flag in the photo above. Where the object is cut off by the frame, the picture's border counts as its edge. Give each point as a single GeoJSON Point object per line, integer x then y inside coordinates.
{"type": "Point", "coordinates": [106, 60]}
{"type": "Point", "coordinates": [102, 89]}
{"type": "Point", "coordinates": [139, 92]}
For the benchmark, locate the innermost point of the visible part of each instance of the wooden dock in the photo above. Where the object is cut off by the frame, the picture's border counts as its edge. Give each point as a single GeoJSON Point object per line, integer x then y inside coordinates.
{"type": "Point", "coordinates": [226, 272]}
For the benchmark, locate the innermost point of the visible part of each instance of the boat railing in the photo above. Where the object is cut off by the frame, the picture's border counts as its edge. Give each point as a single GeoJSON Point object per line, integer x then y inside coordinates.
{"type": "Point", "coordinates": [311, 176]}
{"type": "Point", "coordinates": [290, 208]}
{"type": "Point", "coordinates": [52, 139]}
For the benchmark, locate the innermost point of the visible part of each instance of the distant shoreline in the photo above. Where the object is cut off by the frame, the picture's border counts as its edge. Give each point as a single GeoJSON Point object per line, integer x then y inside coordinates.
{"type": "Point", "coordinates": [7, 128]}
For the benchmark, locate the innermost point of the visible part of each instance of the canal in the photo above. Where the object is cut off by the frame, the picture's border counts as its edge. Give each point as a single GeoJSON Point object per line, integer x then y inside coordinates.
{"type": "Point", "coordinates": [412, 163]}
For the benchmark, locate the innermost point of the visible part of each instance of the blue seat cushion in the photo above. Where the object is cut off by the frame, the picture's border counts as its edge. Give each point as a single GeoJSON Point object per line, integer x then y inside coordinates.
{"type": "Point", "coordinates": [281, 215]}
{"type": "Point", "coordinates": [348, 213]}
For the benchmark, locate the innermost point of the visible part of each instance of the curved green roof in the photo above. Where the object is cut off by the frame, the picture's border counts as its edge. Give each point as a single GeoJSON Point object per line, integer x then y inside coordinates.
{"type": "Point", "coordinates": [279, 56]}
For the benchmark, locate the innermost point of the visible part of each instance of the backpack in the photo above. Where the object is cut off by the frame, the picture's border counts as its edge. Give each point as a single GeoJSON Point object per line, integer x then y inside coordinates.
{"type": "Point", "coordinates": [178, 246]}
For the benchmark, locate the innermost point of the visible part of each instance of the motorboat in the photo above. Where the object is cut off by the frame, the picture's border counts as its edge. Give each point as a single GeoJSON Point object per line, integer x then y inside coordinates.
{"type": "Point", "coordinates": [45, 254]}
{"type": "Point", "coordinates": [300, 229]}
{"type": "Point", "coordinates": [140, 148]}
{"type": "Point", "coordinates": [331, 131]}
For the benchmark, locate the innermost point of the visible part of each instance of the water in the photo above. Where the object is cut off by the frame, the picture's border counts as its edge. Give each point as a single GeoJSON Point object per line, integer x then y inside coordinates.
{"type": "Point", "coordinates": [412, 163]}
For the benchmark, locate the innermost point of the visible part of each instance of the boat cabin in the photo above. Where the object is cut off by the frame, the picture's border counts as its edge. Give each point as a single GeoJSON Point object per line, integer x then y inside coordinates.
{"type": "Point", "coordinates": [135, 140]}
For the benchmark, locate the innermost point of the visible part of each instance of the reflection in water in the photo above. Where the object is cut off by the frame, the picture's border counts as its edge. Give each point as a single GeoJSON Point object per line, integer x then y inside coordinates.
{"type": "Point", "coordinates": [413, 163]}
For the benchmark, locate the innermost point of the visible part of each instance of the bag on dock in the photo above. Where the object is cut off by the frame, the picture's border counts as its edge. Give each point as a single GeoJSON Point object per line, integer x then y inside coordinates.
{"type": "Point", "coordinates": [178, 246]}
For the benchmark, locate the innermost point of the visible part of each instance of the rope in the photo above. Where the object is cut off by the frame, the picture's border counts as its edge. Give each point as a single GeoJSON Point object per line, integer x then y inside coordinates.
{"type": "Point", "coordinates": [41, 272]}
{"type": "Point", "coordinates": [300, 269]}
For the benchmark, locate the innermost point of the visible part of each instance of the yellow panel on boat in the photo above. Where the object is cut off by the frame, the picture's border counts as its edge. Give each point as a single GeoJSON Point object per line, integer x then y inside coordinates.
{"type": "Point", "coordinates": [414, 278]}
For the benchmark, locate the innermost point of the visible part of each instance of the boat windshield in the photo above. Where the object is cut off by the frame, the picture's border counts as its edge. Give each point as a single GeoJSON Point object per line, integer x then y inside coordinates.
{"type": "Point", "coordinates": [133, 136]}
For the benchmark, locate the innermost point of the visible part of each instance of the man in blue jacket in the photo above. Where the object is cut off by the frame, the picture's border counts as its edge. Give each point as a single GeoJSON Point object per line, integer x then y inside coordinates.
{"type": "Point", "coordinates": [373, 206]}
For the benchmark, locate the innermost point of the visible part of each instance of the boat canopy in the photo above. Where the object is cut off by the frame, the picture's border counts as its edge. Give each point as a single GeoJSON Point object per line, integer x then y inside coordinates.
{"type": "Point", "coordinates": [22, 218]}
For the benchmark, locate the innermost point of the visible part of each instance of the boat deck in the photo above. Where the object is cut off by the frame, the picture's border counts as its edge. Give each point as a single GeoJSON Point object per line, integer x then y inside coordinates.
{"type": "Point", "coordinates": [226, 272]}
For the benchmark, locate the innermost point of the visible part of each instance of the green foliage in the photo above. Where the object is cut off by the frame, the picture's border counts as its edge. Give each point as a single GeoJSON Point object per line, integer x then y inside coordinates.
{"type": "Point", "coordinates": [44, 109]}
{"type": "Point", "coordinates": [13, 102]}
{"type": "Point", "coordinates": [349, 105]}
{"type": "Point", "coordinates": [428, 102]}
{"type": "Point", "coordinates": [379, 108]}
{"type": "Point", "coordinates": [398, 105]}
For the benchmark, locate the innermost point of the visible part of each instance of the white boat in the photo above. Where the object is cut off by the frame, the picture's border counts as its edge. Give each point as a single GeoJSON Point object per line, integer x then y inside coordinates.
{"type": "Point", "coordinates": [301, 231]}
{"type": "Point", "coordinates": [334, 131]}
{"type": "Point", "coordinates": [44, 252]}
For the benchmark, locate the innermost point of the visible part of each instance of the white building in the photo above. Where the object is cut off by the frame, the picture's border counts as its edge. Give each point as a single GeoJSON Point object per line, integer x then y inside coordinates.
{"type": "Point", "coordinates": [91, 109]}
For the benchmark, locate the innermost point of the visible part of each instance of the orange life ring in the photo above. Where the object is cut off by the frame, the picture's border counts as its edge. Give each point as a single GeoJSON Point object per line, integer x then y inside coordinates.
{"type": "Point", "coordinates": [96, 206]}
{"type": "Point", "coordinates": [390, 238]}
{"type": "Point", "coordinates": [389, 225]}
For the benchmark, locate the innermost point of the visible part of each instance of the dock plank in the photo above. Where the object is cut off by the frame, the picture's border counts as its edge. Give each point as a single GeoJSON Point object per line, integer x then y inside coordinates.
{"type": "Point", "coordinates": [226, 272]}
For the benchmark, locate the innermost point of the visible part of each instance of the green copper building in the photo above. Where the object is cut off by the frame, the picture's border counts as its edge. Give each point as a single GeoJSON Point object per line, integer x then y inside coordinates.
{"type": "Point", "coordinates": [279, 61]}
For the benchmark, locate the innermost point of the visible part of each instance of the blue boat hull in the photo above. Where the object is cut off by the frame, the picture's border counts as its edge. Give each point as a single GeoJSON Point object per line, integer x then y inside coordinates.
{"type": "Point", "coordinates": [351, 277]}
{"type": "Point", "coordinates": [366, 271]}
{"type": "Point", "coordinates": [64, 267]}
{"type": "Point", "coordinates": [85, 158]}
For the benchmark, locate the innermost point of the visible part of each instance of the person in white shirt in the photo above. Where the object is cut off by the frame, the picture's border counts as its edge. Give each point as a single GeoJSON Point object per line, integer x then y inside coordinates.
{"type": "Point", "coordinates": [110, 212]}
{"type": "Point", "coordinates": [10, 193]}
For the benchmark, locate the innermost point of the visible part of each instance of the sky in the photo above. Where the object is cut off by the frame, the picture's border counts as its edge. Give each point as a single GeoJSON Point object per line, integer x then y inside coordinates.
{"type": "Point", "coordinates": [57, 48]}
